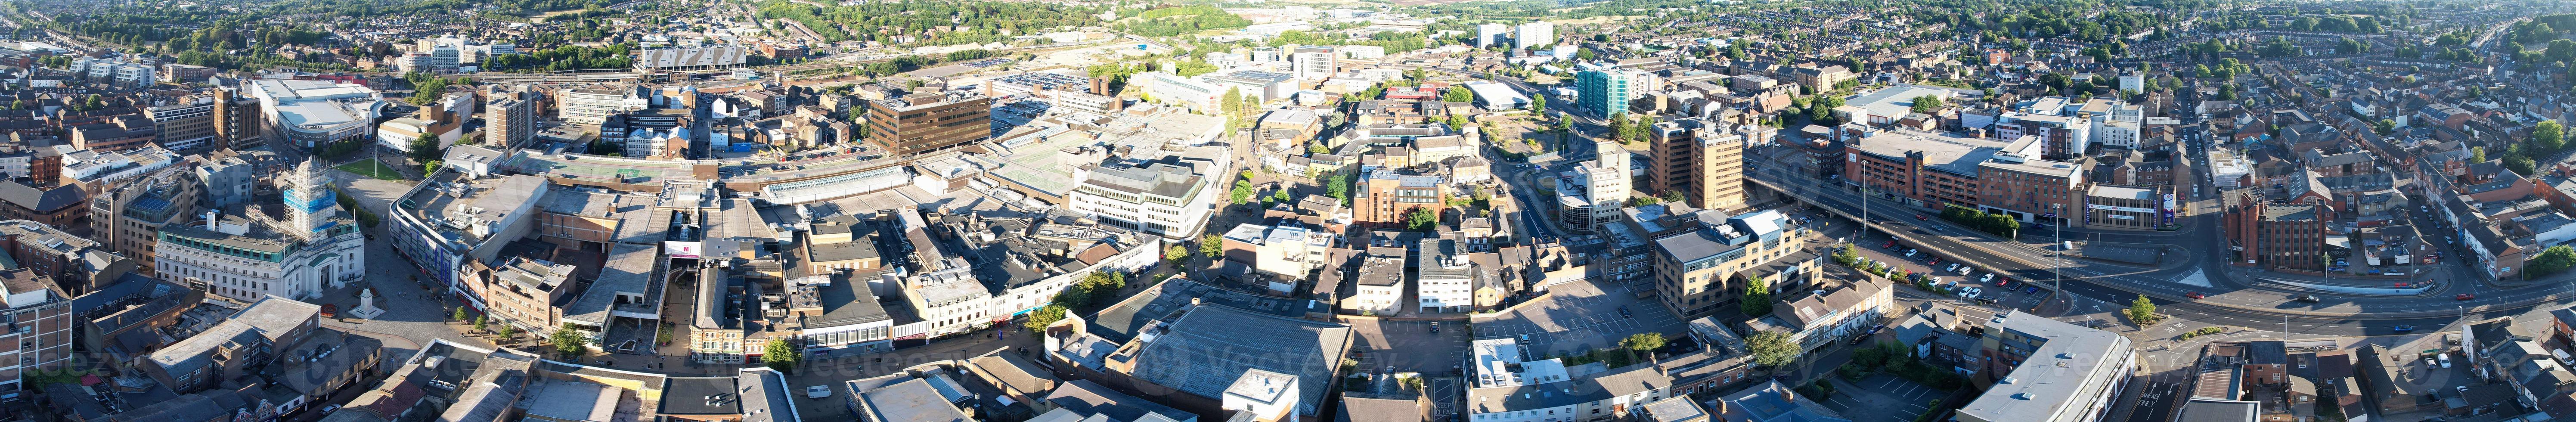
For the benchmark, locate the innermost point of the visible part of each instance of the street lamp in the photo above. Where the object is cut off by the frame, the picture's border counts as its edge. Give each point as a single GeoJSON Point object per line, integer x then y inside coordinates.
{"type": "Point", "coordinates": [2058, 259]}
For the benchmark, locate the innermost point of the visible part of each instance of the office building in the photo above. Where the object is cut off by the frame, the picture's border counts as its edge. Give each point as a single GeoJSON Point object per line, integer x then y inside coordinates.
{"type": "Point", "coordinates": [128, 217]}
{"type": "Point", "coordinates": [1385, 195]}
{"type": "Point", "coordinates": [1444, 277]}
{"type": "Point", "coordinates": [1288, 251]}
{"type": "Point", "coordinates": [2275, 234]}
{"type": "Point", "coordinates": [929, 121]}
{"type": "Point", "coordinates": [2045, 370]}
{"type": "Point", "coordinates": [1933, 170]}
{"type": "Point", "coordinates": [39, 316]}
{"type": "Point", "coordinates": [1701, 158]}
{"type": "Point", "coordinates": [1162, 198]}
{"type": "Point", "coordinates": [1508, 386]}
{"type": "Point", "coordinates": [237, 120]}
{"type": "Point", "coordinates": [1591, 194]}
{"type": "Point", "coordinates": [225, 180]}
{"type": "Point", "coordinates": [1699, 270]}
{"type": "Point", "coordinates": [510, 120]}
{"type": "Point", "coordinates": [185, 124]}
{"type": "Point", "coordinates": [1190, 94]}
{"type": "Point", "coordinates": [1604, 90]}
{"type": "Point", "coordinates": [1312, 63]}
{"type": "Point", "coordinates": [591, 105]}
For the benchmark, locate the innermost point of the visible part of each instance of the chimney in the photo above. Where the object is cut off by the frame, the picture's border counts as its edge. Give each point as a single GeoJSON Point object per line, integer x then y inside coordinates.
{"type": "Point", "coordinates": [210, 219]}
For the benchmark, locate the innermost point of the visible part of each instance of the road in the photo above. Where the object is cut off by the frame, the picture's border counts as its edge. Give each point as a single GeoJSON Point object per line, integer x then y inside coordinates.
{"type": "Point", "coordinates": [2229, 302]}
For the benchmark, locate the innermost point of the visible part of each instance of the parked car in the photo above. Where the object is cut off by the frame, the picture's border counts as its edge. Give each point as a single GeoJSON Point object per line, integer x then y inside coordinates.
{"type": "Point", "coordinates": [1909, 253]}
{"type": "Point", "coordinates": [2446, 359]}
{"type": "Point", "coordinates": [1435, 326]}
{"type": "Point", "coordinates": [2465, 296]}
{"type": "Point", "coordinates": [2402, 328]}
{"type": "Point", "coordinates": [1623, 312]}
{"type": "Point", "coordinates": [2194, 295]}
{"type": "Point", "coordinates": [1989, 278]}
{"type": "Point", "coordinates": [1889, 244]}
{"type": "Point", "coordinates": [2307, 298]}
{"type": "Point", "coordinates": [1920, 217]}
{"type": "Point", "coordinates": [1967, 270]}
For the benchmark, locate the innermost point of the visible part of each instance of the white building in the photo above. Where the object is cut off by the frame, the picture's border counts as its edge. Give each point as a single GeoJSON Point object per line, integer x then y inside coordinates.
{"type": "Point", "coordinates": [1312, 63]}
{"type": "Point", "coordinates": [1489, 34]}
{"type": "Point", "coordinates": [1508, 388]}
{"type": "Point", "coordinates": [1817, 318]}
{"type": "Point", "coordinates": [1158, 198]}
{"type": "Point", "coordinates": [309, 114]}
{"type": "Point", "coordinates": [1378, 287]}
{"type": "Point", "coordinates": [593, 105]}
{"type": "Point", "coordinates": [1186, 93]}
{"type": "Point", "coordinates": [246, 254]}
{"type": "Point", "coordinates": [1444, 280]}
{"type": "Point", "coordinates": [1362, 52]}
{"type": "Point", "coordinates": [1535, 34]}
{"type": "Point", "coordinates": [1287, 251]}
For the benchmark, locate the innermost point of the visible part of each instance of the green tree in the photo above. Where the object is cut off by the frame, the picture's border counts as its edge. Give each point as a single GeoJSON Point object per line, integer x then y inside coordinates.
{"type": "Point", "coordinates": [2548, 136]}
{"type": "Point", "coordinates": [2385, 126]}
{"type": "Point", "coordinates": [781, 354]}
{"type": "Point", "coordinates": [429, 167]}
{"type": "Point", "coordinates": [1643, 342]}
{"type": "Point", "coordinates": [1242, 192]}
{"type": "Point", "coordinates": [424, 148]}
{"type": "Point", "coordinates": [1538, 104]}
{"type": "Point", "coordinates": [1212, 246]}
{"type": "Point", "coordinates": [2520, 164]}
{"type": "Point", "coordinates": [1043, 317]}
{"type": "Point", "coordinates": [480, 322]}
{"type": "Point", "coordinates": [569, 341]}
{"type": "Point", "coordinates": [1318, 147]}
{"type": "Point", "coordinates": [2477, 154]}
{"type": "Point", "coordinates": [1618, 126]}
{"type": "Point", "coordinates": [1176, 253]}
{"type": "Point", "coordinates": [459, 315]}
{"type": "Point", "coordinates": [509, 331]}
{"type": "Point", "coordinates": [1771, 349]}
{"type": "Point", "coordinates": [1674, 197]}
{"type": "Point", "coordinates": [2550, 261]}
{"type": "Point", "coordinates": [2142, 310]}
{"type": "Point", "coordinates": [1420, 219]}
{"type": "Point", "coordinates": [1757, 297]}
{"type": "Point", "coordinates": [1458, 94]}
{"type": "Point", "coordinates": [1338, 186]}
{"type": "Point", "coordinates": [1280, 196]}
{"type": "Point", "coordinates": [1927, 104]}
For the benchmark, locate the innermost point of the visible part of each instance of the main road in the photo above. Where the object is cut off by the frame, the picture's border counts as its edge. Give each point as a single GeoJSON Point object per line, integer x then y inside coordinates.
{"type": "Point", "coordinates": [2228, 301]}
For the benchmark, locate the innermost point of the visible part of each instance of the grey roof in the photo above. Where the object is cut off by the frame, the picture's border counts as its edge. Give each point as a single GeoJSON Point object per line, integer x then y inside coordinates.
{"type": "Point", "coordinates": [912, 400]}
{"type": "Point", "coordinates": [2061, 372]}
{"type": "Point", "coordinates": [41, 200]}
{"type": "Point", "coordinates": [1772, 402]}
{"type": "Point", "coordinates": [1212, 346]}
{"type": "Point", "coordinates": [1119, 322]}
{"type": "Point", "coordinates": [1153, 177]}
{"type": "Point", "coordinates": [629, 269]}
{"type": "Point", "coordinates": [846, 300]}
{"type": "Point", "coordinates": [2214, 410]}
{"type": "Point", "coordinates": [766, 396]}
{"type": "Point", "coordinates": [1083, 396]}
{"type": "Point", "coordinates": [699, 396]}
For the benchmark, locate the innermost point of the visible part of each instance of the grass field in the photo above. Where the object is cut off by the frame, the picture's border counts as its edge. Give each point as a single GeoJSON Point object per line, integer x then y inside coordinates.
{"type": "Point", "coordinates": [370, 168]}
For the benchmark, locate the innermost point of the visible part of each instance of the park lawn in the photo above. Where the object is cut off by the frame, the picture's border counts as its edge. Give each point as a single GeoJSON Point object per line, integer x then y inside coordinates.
{"type": "Point", "coordinates": [370, 168]}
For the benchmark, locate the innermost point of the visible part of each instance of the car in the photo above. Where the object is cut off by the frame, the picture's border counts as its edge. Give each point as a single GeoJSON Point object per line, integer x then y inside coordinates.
{"type": "Point", "coordinates": [1990, 277]}
{"type": "Point", "coordinates": [2307, 298]}
{"type": "Point", "coordinates": [2402, 328]}
{"type": "Point", "coordinates": [326, 410]}
{"type": "Point", "coordinates": [1920, 217]}
{"type": "Point", "coordinates": [1623, 312]}
{"type": "Point", "coordinates": [2446, 359]}
{"type": "Point", "coordinates": [1909, 253]}
{"type": "Point", "coordinates": [1889, 244]}
{"type": "Point", "coordinates": [818, 391]}
{"type": "Point", "coordinates": [1934, 261]}
{"type": "Point", "coordinates": [2032, 290]}
{"type": "Point", "coordinates": [2195, 295]}
{"type": "Point", "coordinates": [1435, 326]}
{"type": "Point", "coordinates": [1950, 267]}
{"type": "Point", "coordinates": [2465, 296]}
{"type": "Point", "coordinates": [1967, 270]}
{"type": "Point", "coordinates": [2430, 363]}
{"type": "Point", "coordinates": [1936, 279]}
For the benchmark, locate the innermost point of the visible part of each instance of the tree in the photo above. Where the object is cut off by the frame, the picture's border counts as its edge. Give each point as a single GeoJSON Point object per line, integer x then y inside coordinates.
{"type": "Point", "coordinates": [1618, 126]}
{"type": "Point", "coordinates": [1757, 297]}
{"type": "Point", "coordinates": [569, 341]}
{"type": "Point", "coordinates": [1242, 192]}
{"type": "Point", "coordinates": [2520, 164]}
{"type": "Point", "coordinates": [2142, 310]}
{"type": "Point", "coordinates": [1212, 245]}
{"type": "Point", "coordinates": [2548, 136]}
{"type": "Point", "coordinates": [509, 331]}
{"type": "Point", "coordinates": [429, 167]}
{"type": "Point", "coordinates": [1927, 104]}
{"type": "Point", "coordinates": [1772, 349]}
{"type": "Point", "coordinates": [1458, 94]}
{"type": "Point", "coordinates": [2551, 261]}
{"type": "Point", "coordinates": [424, 148]}
{"type": "Point", "coordinates": [1043, 317]}
{"type": "Point", "coordinates": [2477, 154]}
{"type": "Point", "coordinates": [782, 355]}
{"type": "Point", "coordinates": [459, 315]}
{"type": "Point", "coordinates": [1318, 148]}
{"type": "Point", "coordinates": [1538, 104]}
{"type": "Point", "coordinates": [1643, 342]}
{"type": "Point", "coordinates": [1420, 219]}
{"type": "Point", "coordinates": [1338, 186]}
{"type": "Point", "coordinates": [480, 323]}
{"type": "Point", "coordinates": [1176, 253]}
{"type": "Point", "coordinates": [1280, 196]}
{"type": "Point", "coordinates": [1674, 196]}
{"type": "Point", "coordinates": [2384, 127]}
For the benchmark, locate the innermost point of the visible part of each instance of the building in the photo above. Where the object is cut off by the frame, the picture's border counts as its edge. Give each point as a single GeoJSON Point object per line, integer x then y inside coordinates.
{"type": "Point", "coordinates": [225, 180]}
{"type": "Point", "coordinates": [1168, 198]}
{"type": "Point", "coordinates": [39, 315]}
{"type": "Point", "coordinates": [1699, 270]}
{"type": "Point", "coordinates": [1508, 387]}
{"type": "Point", "coordinates": [237, 119]}
{"type": "Point", "coordinates": [1312, 63]}
{"type": "Point", "coordinates": [1590, 195]}
{"type": "Point", "coordinates": [591, 105]}
{"type": "Point", "coordinates": [295, 249]}
{"type": "Point", "coordinates": [1444, 277]}
{"type": "Point", "coordinates": [1384, 197]}
{"type": "Point", "coordinates": [2048, 371]}
{"type": "Point", "coordinates": [312, 114]}
{"type": "Point", "coordinates": [128, 217]}
{"type": "Point", "coordinates": [1287, 251]}
{"type": "Point", "coordinates": [1490, 33]}
{"type": "Point", "coordinates": [510, 119]}
{"type": "Point", "coordinates": [1701, 158]}
{"type": "Point", "coordinates": [926, 122]}
{"type": "Point", "coordinates": [1819, 317]}
{"type": "Point", "coordinates": [1377, 286]}
{"type": "Point", "coordinates": [57, 206]}
{"type": "Point", "coordinates": [1187, 93]}
{"type": "Point", "coordinates": [1939, 169]}
{"type": "Point", "coordinates": [1605, 90]}
{"type": "Point", "coordinates": [2127, 207]}
{"type": "Point", "coordinates": [2275, 234]}
{"type": "Point", "coordinates": [185, 124]}
{"type": "Point", "coordinates": [1770, 402]}
{"type": "Point", "coordinates": [1534, 34]}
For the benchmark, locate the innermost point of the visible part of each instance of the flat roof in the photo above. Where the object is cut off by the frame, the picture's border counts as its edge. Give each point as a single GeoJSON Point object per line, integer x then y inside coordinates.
{"type": "Point", "coordinates": [630, 269]}
{"type": "Point", "coordinates": [2071, 366]}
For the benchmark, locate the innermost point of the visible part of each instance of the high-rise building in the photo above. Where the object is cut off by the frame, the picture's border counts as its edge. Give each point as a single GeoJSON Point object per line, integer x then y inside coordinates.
{"type": "Point", "coordinates": [510, 120]}
{"type": "Point", "coordinates": [128, 217]}
{"type": "Point", "coordinates": [929, 121]}
{"type": "Point", "coordinates": [1154, 197]}
{"type": "Point", "coordinates": [1489, 34]}
{"type": "Point", "coordinates": [1535, 34]}
{"type": "Point", "coordinates": [185, 124]}
{"type": "Point", "coordinates": [237, 120]}
{"type": "Point", "coordinates": [1701, 158]}
{"type": "Point", "coordinates": [1313, 63]}
{"type": "Point", "coordinates": [1605, 90]}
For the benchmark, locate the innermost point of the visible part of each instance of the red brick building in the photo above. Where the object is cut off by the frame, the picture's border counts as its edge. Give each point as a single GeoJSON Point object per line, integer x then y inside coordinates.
{"type": "Point", "coordinates": [2275, 235]}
